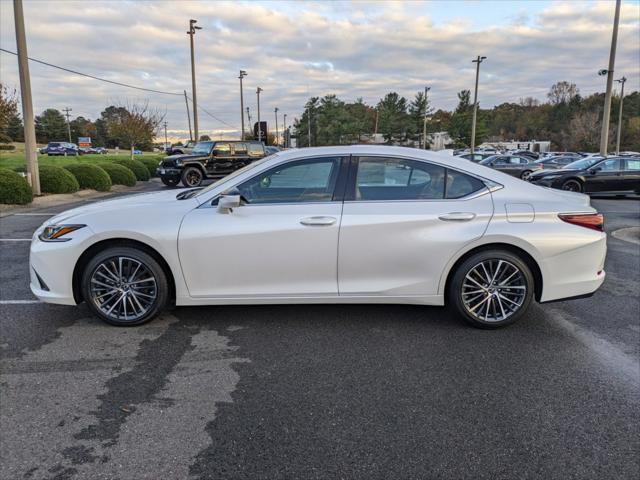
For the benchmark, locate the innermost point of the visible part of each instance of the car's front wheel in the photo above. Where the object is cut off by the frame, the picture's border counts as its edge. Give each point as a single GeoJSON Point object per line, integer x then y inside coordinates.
{"type": "Point", "coordinates": [572, 186]}
{"type": "Point", "coordinates": [192, 177]}
{"type": "Point", "coordinates": [124, 286]}
{"type": "Point", "coordinates": [525, 175]}
{"type": "Point", "coordinates": [170, 182]}
{"type": "Point", "coordinates": [491, 288]}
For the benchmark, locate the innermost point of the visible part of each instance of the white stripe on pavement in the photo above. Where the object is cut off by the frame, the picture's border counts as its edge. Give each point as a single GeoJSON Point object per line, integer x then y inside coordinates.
{"type": "Point", "coordinates": [15, 239]}
{"type": "Point", "coordinates": [34, 214]}
{"type": "Point", "coordinates": [18, 302]}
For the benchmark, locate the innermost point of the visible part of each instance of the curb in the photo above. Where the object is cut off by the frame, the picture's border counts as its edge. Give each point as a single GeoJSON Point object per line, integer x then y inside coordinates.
{"type": "Point", "coordinates": [58, 199]}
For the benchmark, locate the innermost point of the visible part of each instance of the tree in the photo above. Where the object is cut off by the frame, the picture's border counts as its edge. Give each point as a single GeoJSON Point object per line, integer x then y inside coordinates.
{"type": "Point", "coordinates": [585, 131]}
{"type": "Point", "coordinates": [51, 126]}
{"type": "Point", "coordinates": [135, 125]}
{"type": "Point", "coordinates": [418, 109]}
{"type": "Point", "coordinates": [8, 110]}
{"type": "Point", "coordinates": [393, 121]}
{"type": "Point", "coordinates": [83, 127]}
{"type": "Point", "coordinates": [562, 92]}
{"type": "Point", "coordinates": [460, 126]}
{"type": "Point", "coordinates": [205, 138]}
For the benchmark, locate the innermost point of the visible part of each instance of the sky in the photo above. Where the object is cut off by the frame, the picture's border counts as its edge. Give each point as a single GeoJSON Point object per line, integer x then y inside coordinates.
{"type": "Point", "coordinates": [294, 50]}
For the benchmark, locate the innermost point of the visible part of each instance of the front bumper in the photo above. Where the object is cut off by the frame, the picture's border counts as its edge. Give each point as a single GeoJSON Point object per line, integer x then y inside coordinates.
{"type": "Point", "coordinates": [164, 172]}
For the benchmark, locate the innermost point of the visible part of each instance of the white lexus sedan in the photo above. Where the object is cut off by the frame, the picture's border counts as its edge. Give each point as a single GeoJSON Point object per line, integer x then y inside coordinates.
{"type": "Point", "coordinates": [349, 224]}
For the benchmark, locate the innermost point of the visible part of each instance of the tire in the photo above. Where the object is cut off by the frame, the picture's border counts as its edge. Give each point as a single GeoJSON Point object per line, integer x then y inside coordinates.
{"type": "Point", "coordinates": [572, 185]}
{"type": "Point", "coordinates": [170, 182]}
{"type": "Point", "coordinates": [525, 175]}
{"type": "Point", "coordinates": [103, 288]}
{"type": "Point", "coordinates": [486, 304]}
{"type": "Point", "coordinates": [192, 177]}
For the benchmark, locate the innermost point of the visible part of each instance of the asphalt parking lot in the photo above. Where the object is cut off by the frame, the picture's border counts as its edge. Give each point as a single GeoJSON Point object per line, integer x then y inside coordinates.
{"type": "Point", "coordinates": [359, 391]}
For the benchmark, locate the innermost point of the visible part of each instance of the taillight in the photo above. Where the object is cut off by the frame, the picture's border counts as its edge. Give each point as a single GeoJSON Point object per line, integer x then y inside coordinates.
{"type": "Point", "coordinates": [594, 221]}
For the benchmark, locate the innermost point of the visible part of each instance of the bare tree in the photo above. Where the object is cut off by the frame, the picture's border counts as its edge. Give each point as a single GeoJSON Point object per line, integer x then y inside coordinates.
{"type": "Point", "coordinates": [562, 92]}
{"type": "Point", "coordinates": [135, 124]}
{"type": "Point", "coordinates": [8, 109]}
{"type": "Point", "coordinates": [585, 131]}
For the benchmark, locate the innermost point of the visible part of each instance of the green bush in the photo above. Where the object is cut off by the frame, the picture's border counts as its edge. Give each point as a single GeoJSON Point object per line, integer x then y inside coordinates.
{"type": "Point", "coordinates": [54, 179]}
{"type": "Point", "coordinates": [136, 167]}
{"type": "Point", "coordinates": [90, 176]}
{"type": "Point", "coordinates": [119, 175]}
{"type": "Point", "coordinates": [14, 188]}
{"type": "Point", "coordinates": [7, 147]}
{"type": "Point", "coordinates": [151, 163]}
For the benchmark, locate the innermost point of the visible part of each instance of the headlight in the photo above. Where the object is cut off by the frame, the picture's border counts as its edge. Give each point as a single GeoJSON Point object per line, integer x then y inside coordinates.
{"type": "Point", "coordinates": [56, 233]}
{"type": "Point", "coordinates": [177, 163]}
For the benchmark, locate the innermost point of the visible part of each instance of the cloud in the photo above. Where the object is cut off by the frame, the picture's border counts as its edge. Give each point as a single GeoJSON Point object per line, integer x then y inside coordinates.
{"type": "Point", "coordinates": [296, 50]}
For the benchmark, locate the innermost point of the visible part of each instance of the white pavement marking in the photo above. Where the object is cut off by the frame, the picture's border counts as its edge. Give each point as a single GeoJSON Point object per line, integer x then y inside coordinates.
{"type": "Point", "coordinates": [34, 214]}
{"type": "Point", "coordinates": [15, 239]}
{"type": "Point", "coordinates": [18, 302]}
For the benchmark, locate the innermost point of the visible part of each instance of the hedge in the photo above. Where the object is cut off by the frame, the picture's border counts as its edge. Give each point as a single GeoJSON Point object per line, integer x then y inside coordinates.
{"type": "Point", "coordinates": [90, 176]}
{"type": "Point", "coordinates": [136, 167]}
{"type": "Point", "coordinates": [119, 175]}
{"type": "Point", "coordinates": [14, 188]}
{"type": "Point", "coordinates": [150, 163]}
{"type": "Point", "coordinates": [7, 147]}
{"type": "Point", "coordinates": [54, 179]}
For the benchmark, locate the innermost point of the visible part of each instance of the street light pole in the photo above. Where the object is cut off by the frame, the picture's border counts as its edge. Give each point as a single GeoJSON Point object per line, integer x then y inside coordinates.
{"type": "Point", "coordinates": [165, 135]}
{"type": "Point", "coordinates": [191, 33]}
{"type": "Point", "coordinates": [424, 123]}
{"type": "Point", "coordinates": [242, 75]}
{"type": "Point", "coordinates": [477, 61]}
{"type": "Point", "coordinates": [309, 123]}
{"type": "Point", "coordinates": [258, 90]}
{"type": "Point", "coordinates": [30, 152]}
{"type": "Point", "coordinates": [284, 131]}
{"type": "Point", "coordinates": [66, 114]}
{"type": "Point", "coordinates": [604, 134]}
{"type": "Point", "coordinates": [277, 133]}
{"type": "Point", "coordinates": [186, 102]}
{"type": "Point", "coordinates": [249, 118]}
{"type": "Point", "coordinates": [621, 82]}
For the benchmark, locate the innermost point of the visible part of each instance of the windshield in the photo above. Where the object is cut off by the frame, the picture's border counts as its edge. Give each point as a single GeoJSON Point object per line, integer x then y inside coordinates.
{"type": "Point", "coordinates": [582, 163]}
{"type": "Point", "coordinates": [204, 191]}
{"type": "Point", "coordinates": [202, 148]}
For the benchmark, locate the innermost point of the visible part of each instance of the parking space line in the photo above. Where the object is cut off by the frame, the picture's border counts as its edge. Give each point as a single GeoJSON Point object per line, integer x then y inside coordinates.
{"type": "Point", "coordinates": [44, 214]}
{"type": "Point", "coordinates": [18, 302]}
{"type": "Point", "coordinates": [15, 239]}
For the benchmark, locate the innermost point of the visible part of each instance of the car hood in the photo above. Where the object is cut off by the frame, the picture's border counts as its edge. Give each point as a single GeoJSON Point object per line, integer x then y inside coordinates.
{"type": "Point", "coordinates": [557, 171]}
{"type": "Point", "coordinates": [182, 158]}
{"type": "Point", "coordinates": [129, 203]}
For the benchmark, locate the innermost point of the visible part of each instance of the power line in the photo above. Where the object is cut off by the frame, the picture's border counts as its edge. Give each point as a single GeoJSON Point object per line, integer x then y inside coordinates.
{"type": "Point", "coordinates": [93, 76]}
{"type": "Point", "coordinates": [213, 116]}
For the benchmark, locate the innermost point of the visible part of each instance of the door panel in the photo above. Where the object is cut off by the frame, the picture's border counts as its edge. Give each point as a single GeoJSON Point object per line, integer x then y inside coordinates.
{"type": "Point", "coordinates": [607, 179]}
{"type": "Point", "coordinates": [260, 250]}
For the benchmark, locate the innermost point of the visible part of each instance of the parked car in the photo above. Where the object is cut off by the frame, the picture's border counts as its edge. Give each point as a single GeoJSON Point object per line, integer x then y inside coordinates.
{"type": "Point", "coordinates": [515, 165]}
{"type": "Point", "coordinates": [526, 153]}
{"type": "Point", "coordinates": [209, 159]}
{"type": "Point", "coordinates": [270, 149]}
{"type": "Point", "coordinates": [347, 224]}
{"type": "Point", "coordinates": [137, 152]}
{"type": "Point", "coordinates": [554, 163]}
{"type": "Point", "coordinates": [101, 150]}
{"type": "Point", "coordinates": [476, 157]}
{"type": "Point", "coordinates": [618, 175]}
{"type": "Point", "coordinates": [61, 148]}
{"type": "Point", "coordinates": [181, 150]}
{"type": "Point", "coordinates": [559, 154]}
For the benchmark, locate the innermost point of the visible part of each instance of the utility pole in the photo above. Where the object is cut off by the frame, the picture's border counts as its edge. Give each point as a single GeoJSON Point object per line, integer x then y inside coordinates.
{"type": "Point", "coordinates": [249, 118]}
{"type": "Point", "coordinates": [309, 123]}
{"type": "Point", "coordinates": [604, 134]}
{"type": "Point", "coordinates": [165, 135]}
{"type": "Point", "coordinates": [242, 75]}
{"type": "Point", "coordinates": [284, 131]}
{"type": "Point", "coordinates": [424, 123]}
{"type": "Point", "coordinates": [477, 61]}
{"type": "Point", "coordinates": [66, 114]}
{"type": "Point", "coordinates": [191, 33]}
{"type": "Point", "coordinates": [375, 131]}
{"type": "Point", "coordinates": [277, 133]}
{"type": "Point", "coordinates": [186, 102]}
{"type": "Point", "coordinates": [30, 152]}
{"type": "Point", "coordinates": [621, 82]}
{"type": "Point", "coordinates": [258, 90]}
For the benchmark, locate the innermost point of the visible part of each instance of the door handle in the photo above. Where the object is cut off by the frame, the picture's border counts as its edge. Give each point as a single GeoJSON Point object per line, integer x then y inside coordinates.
{"type": "Point", "coordinates": [318, 221]}
{"type": "Point", "coordinates": [457, 216]}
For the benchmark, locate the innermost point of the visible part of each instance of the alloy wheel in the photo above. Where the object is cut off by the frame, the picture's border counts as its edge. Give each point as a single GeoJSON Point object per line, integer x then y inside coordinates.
{"type": "Point", "coordinates": [493, 290]}
{"type": "Point", "coordinates": [525, 175]}
{"type": "Point", "coordinates": [572, 186]}
{"type": "Point", "coordinates": [193, 178]}
{"type": "Point", "coordinates": [123, 288]}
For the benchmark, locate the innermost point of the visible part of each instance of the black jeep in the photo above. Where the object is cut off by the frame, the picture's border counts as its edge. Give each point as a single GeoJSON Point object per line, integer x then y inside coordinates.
{"type": "Point", "coordinates": [211, 159]}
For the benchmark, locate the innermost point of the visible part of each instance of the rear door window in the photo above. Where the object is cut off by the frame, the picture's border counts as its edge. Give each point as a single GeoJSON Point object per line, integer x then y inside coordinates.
{"type": "Point", "coordinates": [633, 164]}
{"type": "Point", "coordinates": [222, 149]}
{"type": "Point", "coordinates": [255, 149]}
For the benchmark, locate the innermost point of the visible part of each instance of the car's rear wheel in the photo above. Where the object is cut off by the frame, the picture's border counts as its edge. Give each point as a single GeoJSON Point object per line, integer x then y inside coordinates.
{"type": "Point", "coordinates": [192, 177]}
{"type": "Point", "coordinates": [491, 288]}
{"type": "Point", "coordinates": [525, 175]}
{"type": "Point", "coordinates": [572, 185]}
{"type": "Point", "coordinates": [170, 182]}
{"type": "Point", "coordinates": [124, 286]}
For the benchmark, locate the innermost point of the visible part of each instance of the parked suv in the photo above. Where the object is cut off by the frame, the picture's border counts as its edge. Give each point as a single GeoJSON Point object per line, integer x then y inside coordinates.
{"type": "Point", "coordinates": [208, 159]}
{"type": "Point", "coordinates": [60, 148]}
{"type": "Point", "coordinates": [181, 150]}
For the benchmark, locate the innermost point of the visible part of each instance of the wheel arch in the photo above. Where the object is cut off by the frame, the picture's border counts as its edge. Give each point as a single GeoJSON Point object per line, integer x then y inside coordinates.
{"type": "Point", "coordinates": [118, 242]}
{"type": "Point", "coordinates": [520, 252]}
{"type": "Point", "coordinates": [197, 165]}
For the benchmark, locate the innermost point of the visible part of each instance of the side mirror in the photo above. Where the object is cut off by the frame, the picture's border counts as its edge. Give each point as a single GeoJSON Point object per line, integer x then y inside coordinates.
{"type": "Point", "coordinates": [595, 170]}
{"type": "Point", "coordinates": [226, 203]}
